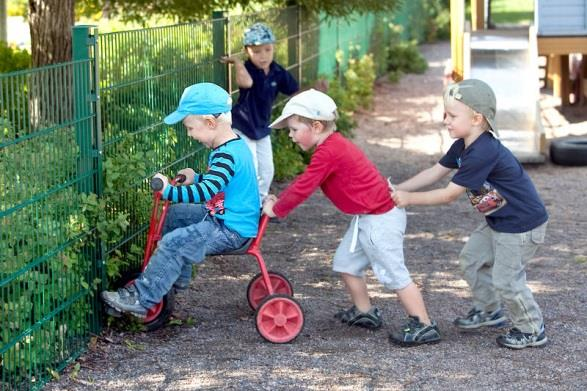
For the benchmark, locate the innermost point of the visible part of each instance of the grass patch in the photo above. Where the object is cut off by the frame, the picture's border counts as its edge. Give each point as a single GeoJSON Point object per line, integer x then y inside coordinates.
{"type": "Point", "coordinates": [512, 12]}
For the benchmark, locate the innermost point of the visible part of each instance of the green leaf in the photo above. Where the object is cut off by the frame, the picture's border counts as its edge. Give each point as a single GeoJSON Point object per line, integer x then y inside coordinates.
{"type": "Point", "coordinates": [54, 374]}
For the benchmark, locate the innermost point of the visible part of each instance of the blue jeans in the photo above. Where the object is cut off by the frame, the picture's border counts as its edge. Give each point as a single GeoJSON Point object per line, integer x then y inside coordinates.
{"type": "Point", "coordinates": [189, 234]}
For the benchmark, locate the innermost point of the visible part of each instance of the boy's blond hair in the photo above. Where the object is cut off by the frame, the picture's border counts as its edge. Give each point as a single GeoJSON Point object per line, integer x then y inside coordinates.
{"type": "Point", "coordinates": [328, 125]}
{"type": "Point", "coordinates": [225, 118]}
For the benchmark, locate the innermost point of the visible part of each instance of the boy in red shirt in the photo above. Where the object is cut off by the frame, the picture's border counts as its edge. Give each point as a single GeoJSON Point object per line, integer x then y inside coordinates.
{"type": "Point", "coordinates": [375, 235]}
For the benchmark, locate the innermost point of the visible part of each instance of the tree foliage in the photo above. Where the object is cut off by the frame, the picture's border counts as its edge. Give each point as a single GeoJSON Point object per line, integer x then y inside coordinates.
{"type": "Point", "coordinates": [190, 10]}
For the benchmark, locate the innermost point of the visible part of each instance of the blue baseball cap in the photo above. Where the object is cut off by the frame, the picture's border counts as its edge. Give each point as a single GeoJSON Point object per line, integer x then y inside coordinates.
{"type": "Point", "coordinates": [201, 99]}
{"type": "Point", "coordinates": [258, 34]}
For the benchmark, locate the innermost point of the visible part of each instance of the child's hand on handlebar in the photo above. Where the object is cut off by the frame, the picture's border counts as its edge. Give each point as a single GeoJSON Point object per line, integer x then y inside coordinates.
{"type": "Point", "coordinates": [190, 175]}
{"type": "Point", "coordinates": [268, 203]}
{"type": "Point", "coordinates": [163, 179]}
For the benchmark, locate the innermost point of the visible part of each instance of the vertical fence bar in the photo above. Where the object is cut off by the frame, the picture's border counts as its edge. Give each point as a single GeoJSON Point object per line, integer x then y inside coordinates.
{"type": "Point", "coordinates": [87, 116]}
{"type": "Point", "coordinates": [219, 22]}
{"type": "Point", "coordinates": [293, 39]}
{"type": "Point", "coordinates": [81, 43]}
{"type": "Point", "coordinates": [100, 254]}
{"type": "Point", "coordinates": [300, 48]}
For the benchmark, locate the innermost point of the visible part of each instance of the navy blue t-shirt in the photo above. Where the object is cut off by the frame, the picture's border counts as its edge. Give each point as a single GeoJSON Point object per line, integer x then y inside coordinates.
{"type": "Point", "coordinates": [497, 184]}
{"type": "Point", "coordinates": [252, 112]}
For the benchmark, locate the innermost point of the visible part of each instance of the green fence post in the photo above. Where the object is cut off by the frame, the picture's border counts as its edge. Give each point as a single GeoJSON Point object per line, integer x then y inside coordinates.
{"type": "Point", "coordinates": [294, 42]}
{"type": "Point", "coordinates": [88, 131]}
{"type": "Point", "coordinates": [219, 24]}
{"type": "Point", "coordinates": [82, 41]}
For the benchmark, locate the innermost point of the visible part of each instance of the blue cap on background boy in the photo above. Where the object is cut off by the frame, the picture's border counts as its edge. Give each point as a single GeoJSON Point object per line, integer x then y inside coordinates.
{"type": "Point", "coordinates": [258, 34]}
{"type": "Point", "coordinates": [201, 99]}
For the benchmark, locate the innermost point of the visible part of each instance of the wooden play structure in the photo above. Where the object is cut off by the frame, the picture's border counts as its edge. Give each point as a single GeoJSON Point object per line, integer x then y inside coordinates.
{"type": "Point", "coordinates": [507, 58]}
{"type": "Point", "coordinates": [561, 30]}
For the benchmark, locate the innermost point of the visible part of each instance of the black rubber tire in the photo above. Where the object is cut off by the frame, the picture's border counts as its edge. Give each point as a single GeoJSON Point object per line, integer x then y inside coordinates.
{"type": "Point", "coordinates": [570, 151]}
{"type": "Point", "coordinates": [168, 303]}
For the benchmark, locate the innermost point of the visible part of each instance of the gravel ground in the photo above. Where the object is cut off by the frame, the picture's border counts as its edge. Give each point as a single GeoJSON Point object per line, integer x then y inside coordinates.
{"type": "Point", "coordinates": [221, 348]}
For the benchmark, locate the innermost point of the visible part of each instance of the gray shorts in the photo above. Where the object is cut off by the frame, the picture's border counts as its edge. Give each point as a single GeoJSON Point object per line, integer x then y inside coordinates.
{"type": "Point", "coordinates": [379, 242]}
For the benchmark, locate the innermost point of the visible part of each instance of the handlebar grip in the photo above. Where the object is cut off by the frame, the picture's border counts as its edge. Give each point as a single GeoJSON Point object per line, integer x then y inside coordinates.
{"type": "Point", "coordinates": [156, 184]}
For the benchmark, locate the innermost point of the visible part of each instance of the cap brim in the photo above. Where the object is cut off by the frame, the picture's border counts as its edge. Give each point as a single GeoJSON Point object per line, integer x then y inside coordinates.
{"type": "Point", "coordinates": [174, 118]}
{"type": "Point", "coordinates": [492, 128]}
{"type": "Point", "coordinates": [280, 122]}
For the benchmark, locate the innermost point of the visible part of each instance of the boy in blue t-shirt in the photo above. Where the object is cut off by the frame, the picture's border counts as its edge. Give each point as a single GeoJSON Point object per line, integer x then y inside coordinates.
{"type": "Point", "coordinates": [259, 79]}
{"type": "Point", "coordinates": [494, 259]}
{"type": "Point", "coordinates": [218, 210]}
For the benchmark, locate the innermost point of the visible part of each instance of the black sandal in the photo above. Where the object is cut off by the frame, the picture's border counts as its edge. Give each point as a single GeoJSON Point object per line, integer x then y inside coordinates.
{"type": "Point", "coordinates": [353, 317]}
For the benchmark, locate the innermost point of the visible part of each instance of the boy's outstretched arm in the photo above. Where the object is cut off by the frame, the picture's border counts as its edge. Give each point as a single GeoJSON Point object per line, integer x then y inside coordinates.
{"type": "Point", "coordinates": [243, 78]}
{"type": "Point", "coordinates": [206, 186]}
{"type": "Point", "coordinates": [425, 178]}
{"type": "Point", "coordinates": [433, 197]}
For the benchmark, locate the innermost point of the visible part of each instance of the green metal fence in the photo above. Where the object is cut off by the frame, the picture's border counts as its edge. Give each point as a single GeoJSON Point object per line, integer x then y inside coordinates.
{"type": "Point", "coordinates": [47, 266]}
{"type": "Point", "coordinates": [77, 144]}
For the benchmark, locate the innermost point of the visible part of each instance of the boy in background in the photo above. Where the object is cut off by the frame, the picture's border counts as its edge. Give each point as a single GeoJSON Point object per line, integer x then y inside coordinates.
{"type": "Point", "coordinates": [259, 79]}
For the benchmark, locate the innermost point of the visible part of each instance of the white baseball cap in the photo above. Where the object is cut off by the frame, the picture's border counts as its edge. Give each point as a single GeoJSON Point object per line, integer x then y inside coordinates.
{"type": "Point", "coordinates": [311, 104]}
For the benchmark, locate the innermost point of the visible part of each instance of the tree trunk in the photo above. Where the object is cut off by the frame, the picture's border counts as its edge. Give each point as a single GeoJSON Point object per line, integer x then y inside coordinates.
{"type": "Point", "coordinates": [50, 23]}
{"type": "Point", "coordinates": [3, 21]}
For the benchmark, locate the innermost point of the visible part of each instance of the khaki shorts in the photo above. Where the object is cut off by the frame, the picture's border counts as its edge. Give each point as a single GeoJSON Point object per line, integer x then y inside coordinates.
{"type": "Point", "coordinates": [379, 243]}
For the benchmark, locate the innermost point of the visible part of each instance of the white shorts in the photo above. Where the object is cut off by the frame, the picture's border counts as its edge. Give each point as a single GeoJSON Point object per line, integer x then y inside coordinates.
{"type": "Point", "coordinates": [379, 242]}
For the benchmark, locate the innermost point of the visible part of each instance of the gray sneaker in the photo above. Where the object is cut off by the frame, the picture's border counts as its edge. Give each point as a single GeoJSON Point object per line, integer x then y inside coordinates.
{"type": "Point", "coordinates": [515, 339]}
{"type": "Point", "coordinates": [476, 318]}
{"type": "Point", "coordinates": [125, 300]}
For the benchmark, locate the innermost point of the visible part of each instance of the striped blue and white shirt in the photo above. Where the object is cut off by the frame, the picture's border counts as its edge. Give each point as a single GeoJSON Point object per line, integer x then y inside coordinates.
{"type": "Point", "coordinates": [229, 188]}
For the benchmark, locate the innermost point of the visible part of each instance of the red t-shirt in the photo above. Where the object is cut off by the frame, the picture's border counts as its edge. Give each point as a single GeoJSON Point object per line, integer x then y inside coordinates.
{"type": "Point", "coordinates": [345, 175]}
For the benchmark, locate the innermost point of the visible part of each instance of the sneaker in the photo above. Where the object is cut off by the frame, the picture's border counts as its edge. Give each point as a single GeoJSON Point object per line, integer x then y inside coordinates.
{"type": "Point", "coordinates": [415, 333]}
{"type": "Point", "coordinates": [353, 317]}
{"type": "Point", "coordinates": [125, 300]}
{"type": "Point", "coordinates": [515, 339]}
{"type": "Point", "coordinates": [181, 285]}
{"type": "Point", "coordinates": [477, 318]}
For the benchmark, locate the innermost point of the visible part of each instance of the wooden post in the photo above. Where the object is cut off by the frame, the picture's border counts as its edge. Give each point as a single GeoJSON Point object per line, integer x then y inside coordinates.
{"type": "Point", "coordinates": [477, 15]}
{"type": "Point", "coordinates": [457, 29]}
{"type": "Point", "coordinates": [565, 80]}
{"type": "Point", "coordinates": [558, 74]}
{"type": "Point", "coordinates": [583, 81]}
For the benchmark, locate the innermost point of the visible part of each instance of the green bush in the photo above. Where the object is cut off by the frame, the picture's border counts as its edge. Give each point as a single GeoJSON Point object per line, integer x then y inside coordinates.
{"type": "Point", "coordinates": [13, 58]}
{"type": "Point", "coordinates": [437, 14]}
{"type": "Point", "coordinates": [403, 56]}
{"type": "Point", "coordinates": [406, 57]}
{"type": "Point", "coordinates": [286, 156]}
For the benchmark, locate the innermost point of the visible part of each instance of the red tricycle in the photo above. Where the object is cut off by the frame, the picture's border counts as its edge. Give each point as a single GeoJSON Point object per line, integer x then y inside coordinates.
{"type": "Point", "coordinates": [278, 317]}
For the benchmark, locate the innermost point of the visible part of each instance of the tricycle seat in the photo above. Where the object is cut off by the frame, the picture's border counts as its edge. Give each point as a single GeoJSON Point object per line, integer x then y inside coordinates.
{"type": "Point", "coordinates": [239, 251]}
